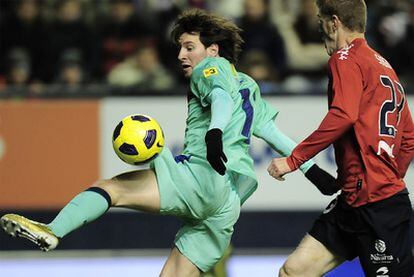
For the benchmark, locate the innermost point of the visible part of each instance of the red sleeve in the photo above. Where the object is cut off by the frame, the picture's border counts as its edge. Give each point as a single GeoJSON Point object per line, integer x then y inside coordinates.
{"type": "Point", "coordinates": [406, 152]}
{"type": "Point", "coordinates": [347, 87]}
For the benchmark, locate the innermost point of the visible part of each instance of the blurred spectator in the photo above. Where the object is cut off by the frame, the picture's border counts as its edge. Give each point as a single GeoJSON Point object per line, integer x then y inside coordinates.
{"type": "Point", "coordinates": [306, 24]}
{"type": "Point", "coordinates": [392, 24]}
{"type": "Point", "coordinates": [229, 8]}
{"type": "Point", "coordinates": [258, 66]}
{"type": "Point", "coordinates": [69, 31]}
{"type": "Point", "coordinates": [19, 67]}
{"type": "Point", "coordinates": [166, 13]}
{"type": "Point", "coordinates": [143, 70]}
{"type": "Point", "coordinates": [112, 40]}
{"type": "Point", "coordinates": [305, 52]}
{"type": "Point", "coordinates": [371, 32]}
{"type": "Point", "coordinates": [71, 78]}
{"type": "Point", "coordinates": [18, 81]}
{"type": "Point", "coordinates": [261, 35]}
{"type": "Point", "coordinates": [395, 36]}
{"type": "Point", "coordinates": [408, 46]}
{"type": "Point", "coordinates": [122, 32]}
{"type": "Point", "coordinates": [71, 69]}
{"type": "Point", "coordinates": [23, 28]}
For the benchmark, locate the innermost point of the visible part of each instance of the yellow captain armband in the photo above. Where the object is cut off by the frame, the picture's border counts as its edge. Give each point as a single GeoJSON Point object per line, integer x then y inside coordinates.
{"type": "Point", "coordinates": [210, 71]}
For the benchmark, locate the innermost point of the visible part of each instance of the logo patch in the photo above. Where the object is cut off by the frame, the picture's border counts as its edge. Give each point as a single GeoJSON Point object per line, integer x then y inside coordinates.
{"type": "Point", "coordinates": [210, 71]}
{"type": "Point", "coordinates": [380, 257]}
{"type": "Point", "coordinates": [382, 272]}
{"type": "Point", "coordinates": [380, 246]}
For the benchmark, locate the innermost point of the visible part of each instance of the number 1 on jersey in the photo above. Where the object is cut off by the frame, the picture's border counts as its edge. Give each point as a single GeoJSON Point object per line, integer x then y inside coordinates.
{"type": "Point", "coordinates": [248, 109]}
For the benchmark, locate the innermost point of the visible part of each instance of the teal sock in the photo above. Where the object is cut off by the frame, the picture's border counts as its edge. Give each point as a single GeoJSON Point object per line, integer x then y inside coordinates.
{"type": "Point", "coordinates": [84, 208]}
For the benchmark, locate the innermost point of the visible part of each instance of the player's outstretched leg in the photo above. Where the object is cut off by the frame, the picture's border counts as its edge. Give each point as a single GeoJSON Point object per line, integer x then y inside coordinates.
{"type": "Point", "coordinates": [136, 190]}
{"type": "Point", "coordinates": [39, 233]}
{"type": "Point", "coordinates": [83, 208]}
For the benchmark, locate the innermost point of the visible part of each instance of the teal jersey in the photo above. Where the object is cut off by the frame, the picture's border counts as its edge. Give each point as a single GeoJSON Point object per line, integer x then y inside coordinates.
{"type": "Point", "coordinates": [250, 113]}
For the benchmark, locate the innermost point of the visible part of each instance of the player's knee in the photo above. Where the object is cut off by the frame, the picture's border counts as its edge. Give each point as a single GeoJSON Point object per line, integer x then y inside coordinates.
{"type": "Point", "coordinates": [285, 271]}
{"type": "Point", "coordinates": [282, 271]}
{"type": "Point", "coordinates": [110, 188]}
{"type": "Point", "coordinates": [290, 269]}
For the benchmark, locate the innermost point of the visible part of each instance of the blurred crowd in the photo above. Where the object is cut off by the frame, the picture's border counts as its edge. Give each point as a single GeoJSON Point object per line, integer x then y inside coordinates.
{"type": "Point", "coordinates": [69, 47]}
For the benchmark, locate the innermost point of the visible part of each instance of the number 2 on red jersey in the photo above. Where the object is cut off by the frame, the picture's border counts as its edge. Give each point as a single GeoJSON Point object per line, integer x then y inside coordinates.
{"type": "Point", "coordinates": [389, 114]}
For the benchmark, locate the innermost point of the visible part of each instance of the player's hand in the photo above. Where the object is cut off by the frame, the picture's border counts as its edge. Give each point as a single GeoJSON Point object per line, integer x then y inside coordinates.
{"type": "Point", "coordinates": [278, 167]}
{"type": "Point", "coordinates": [215, 154]}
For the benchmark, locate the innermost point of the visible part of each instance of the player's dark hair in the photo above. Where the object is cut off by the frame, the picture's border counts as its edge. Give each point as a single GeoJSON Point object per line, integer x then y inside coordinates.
{"type": "Point", "coordinates": [212, 29]}
{"type": "Point", "coordinates": [352, 13]}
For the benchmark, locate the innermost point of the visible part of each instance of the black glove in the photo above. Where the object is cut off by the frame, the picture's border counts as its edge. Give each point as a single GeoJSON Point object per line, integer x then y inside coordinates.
{"type": "Point", "coordinates": [324, 181]}
{"type": "Point", "coordinates": [215, 154]}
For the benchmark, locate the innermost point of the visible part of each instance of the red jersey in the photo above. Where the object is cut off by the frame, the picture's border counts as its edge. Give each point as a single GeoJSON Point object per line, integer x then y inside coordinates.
{"type": "Point", "coordinates": [369, 124]}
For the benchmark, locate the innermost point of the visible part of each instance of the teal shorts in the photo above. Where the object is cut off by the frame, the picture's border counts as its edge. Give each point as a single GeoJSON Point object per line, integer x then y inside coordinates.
{"type": "Point", "coordinates": [206, 201]}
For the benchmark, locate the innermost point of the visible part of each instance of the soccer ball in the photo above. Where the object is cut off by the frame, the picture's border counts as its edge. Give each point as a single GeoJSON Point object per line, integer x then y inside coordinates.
{"type": "Point", "coordinates": [138, 139]}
